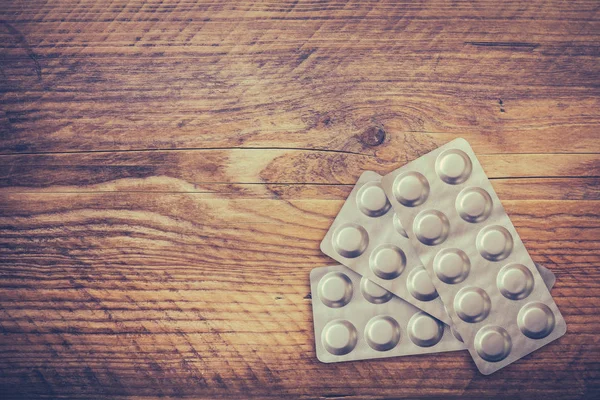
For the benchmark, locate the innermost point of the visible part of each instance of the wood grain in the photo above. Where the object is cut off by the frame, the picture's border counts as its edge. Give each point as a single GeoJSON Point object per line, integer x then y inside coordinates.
{"type": "Point", "coordinates": [169, 167]}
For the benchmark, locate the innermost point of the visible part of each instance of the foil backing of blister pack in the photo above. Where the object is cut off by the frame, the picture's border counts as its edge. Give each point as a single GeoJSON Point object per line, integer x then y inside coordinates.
{"type": "Point", "coordinates": [356, 319]}
{"type": "Point", "coordinates": [484, 275]}
{"type": "Point", "coordinates": [367, 237]}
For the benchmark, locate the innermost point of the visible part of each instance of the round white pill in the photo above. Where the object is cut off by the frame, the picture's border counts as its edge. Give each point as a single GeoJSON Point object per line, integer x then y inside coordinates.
{"type": "Point", "coordinates": [515, 281]}
{"type": "Point", "coordinates": [536, 320]}
{"type": "Point", "coordinates": [494, 243]}
{"type": "Point", "coordinates": [451, 266]}
{"type": "Point", "coordinates": [453, 166]}
{"type": "Point", "coordinates": [373, 292]}
{"type": "Point", "coordinates": [424, 330]}
{"type": "Point", "coordinates": [382, 333]}
{"type": "Point", "coordinates": [350, 240]}
{"type": "Point", "coordinates": [372, 201]}
{"type": "Point", "coordinates": [420, 285]}
{"type": "Point", "coordinates": [474, 205]}
{"type": "Point", "coordinates": [493, 343]}
{"type": "Point", "coordinates": [335, 289]}
{"type": "Point", "coordinates": [472, 304]}
{"type": "Point", "coordinates": [339, 337]}
{"type": "Point", "coordinates": [387, 261]}
{"type": "Point", "coordinates": [411, 189]}
{"type": "Point", "coordinates": [431, 227]}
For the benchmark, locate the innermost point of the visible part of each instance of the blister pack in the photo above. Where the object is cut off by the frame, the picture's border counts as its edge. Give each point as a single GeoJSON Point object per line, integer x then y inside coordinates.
{"type": "Point", "coordinates": [367, 237]}
{"type": "Point", "coordinates": [356, 319]}
{"type": "Point", "coordinates": [484, 275]}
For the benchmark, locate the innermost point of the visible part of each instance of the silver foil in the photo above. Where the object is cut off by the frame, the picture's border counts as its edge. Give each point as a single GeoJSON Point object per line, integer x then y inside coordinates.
{"type": "Point", "coordinates": [495, 297]}
{"type": "Point", "coordinates": [355, 319]}
{"type": "Point", "coordinates": [367, 237]}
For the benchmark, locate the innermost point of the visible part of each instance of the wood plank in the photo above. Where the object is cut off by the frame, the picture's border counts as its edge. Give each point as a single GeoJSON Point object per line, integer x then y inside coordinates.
{"type": "Point", "coordinates": [191, 169]}
{"type": "Point", "coordinates": [119, 291]}
{"type": "Point", "coordinates": [506, 188]}
{"type": "Point", "coordinates": [305, 117]}
{"type": "Point", "coordinates": [227, 231]}
{"type": "Point", "coordinates": [298, 76]}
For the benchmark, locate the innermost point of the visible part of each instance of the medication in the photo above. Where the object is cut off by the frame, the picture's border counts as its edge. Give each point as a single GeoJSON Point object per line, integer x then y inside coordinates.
{"type": "Point", "coordinates": [495, 297]}
{"type": "Point", "coordinates": [368, 237]}
{"type": "Point", "coordinates": [356, 319]}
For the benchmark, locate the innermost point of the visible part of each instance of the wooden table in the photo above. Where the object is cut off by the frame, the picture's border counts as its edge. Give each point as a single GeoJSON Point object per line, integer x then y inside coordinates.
{"type": "Point", "coordinates": [168, 169]}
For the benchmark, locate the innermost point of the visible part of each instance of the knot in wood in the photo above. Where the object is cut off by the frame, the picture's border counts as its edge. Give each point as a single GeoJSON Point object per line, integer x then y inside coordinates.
{"type": "Point", "coordinates": [372, 136]}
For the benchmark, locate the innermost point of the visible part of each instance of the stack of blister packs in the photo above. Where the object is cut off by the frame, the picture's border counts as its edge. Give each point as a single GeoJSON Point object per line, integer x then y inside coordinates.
{"type": "Point", "coordinates": [430, 263]}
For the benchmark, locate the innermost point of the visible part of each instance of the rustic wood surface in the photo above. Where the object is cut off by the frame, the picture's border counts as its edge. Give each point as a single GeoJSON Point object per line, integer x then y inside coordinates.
{"type": "Point", "coordinates": [169, 167]}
